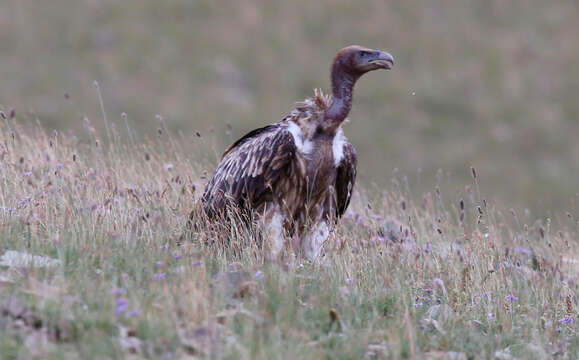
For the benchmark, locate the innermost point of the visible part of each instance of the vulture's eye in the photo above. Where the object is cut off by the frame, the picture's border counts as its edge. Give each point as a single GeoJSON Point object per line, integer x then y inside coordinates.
{"type": "Point", "coordinates": [364, 53]}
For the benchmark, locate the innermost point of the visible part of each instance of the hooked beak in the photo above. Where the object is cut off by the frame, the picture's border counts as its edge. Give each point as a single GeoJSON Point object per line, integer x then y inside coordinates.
{"type": "Point", "coordinates": [383, 60]}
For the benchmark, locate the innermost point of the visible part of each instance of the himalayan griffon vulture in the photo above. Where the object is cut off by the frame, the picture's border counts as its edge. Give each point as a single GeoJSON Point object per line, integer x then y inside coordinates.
{"type": "Point", "coordinates": [297, 175]}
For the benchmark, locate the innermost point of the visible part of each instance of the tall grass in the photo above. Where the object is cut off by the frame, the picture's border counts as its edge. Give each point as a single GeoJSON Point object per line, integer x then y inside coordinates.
{"type": "Point", "coordinates": [404, 276]}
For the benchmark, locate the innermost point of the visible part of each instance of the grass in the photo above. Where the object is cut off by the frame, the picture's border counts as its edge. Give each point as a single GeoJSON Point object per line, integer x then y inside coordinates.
{"type": "Point", "coordinates": [462, 278]}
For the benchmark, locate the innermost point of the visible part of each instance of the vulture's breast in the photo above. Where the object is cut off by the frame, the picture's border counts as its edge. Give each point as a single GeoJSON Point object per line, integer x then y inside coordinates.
{"type": "Point", "coordinates": [320, 166]}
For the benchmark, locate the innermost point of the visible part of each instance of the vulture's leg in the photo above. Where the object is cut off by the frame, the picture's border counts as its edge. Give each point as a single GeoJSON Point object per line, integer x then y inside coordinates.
{"type": "Point", "coordinates": [272, 231]}
{"type": "Point", "coordinates": [314, 239]}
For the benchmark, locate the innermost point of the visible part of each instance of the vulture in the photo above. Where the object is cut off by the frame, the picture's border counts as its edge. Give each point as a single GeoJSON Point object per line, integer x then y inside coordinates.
{"type": "Point", "coordinates": [296, 176]}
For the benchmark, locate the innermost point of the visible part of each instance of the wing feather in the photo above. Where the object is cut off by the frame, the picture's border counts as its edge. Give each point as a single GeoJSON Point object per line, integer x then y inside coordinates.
{"type": "Point", "coordinates": [250, 169]}
{"type": "Point", "coordinates": [250, 135]}
{"type": "Point", "coordinates": [345, 179]}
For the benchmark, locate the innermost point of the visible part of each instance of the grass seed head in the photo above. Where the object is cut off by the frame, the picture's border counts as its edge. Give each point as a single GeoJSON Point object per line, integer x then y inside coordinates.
{"type": "Point", "coordinates": [473, 171]}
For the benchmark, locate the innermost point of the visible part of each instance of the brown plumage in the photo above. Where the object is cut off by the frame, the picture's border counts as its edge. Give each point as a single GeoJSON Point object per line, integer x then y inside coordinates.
{"type": "Point", "coordinates": [297, 175]}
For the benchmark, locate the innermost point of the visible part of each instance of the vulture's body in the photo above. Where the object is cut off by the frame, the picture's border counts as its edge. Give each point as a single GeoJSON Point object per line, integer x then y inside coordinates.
{"type": "Point", "coordinates": [296, 175]}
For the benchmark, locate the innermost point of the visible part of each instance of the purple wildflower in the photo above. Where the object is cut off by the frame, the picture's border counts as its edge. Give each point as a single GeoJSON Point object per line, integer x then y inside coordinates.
{"type": "Point", "coordinates": [438, 283]}
{"type": "Point", "coordinates": [259, 275]}
{"type": "Point", "coordinates": [122, 306]}
{"type": "Point", "coordinates": [490, 316]}
{"type": "Point", "coordinates": [59, 166]}
{"type": "Point", "coordinates": [198, 263]}
{"type": "Point", "coordinates": [418, 304]}
{"type": "Point", "coordinates": [6, 209]}
{"type": "Point", "coordinates": [511, 298]}
{"type": "Point", "coordinates": [159, 264]}
{"type": "Point", "coordinates": [23, 202]}
{"type": "Point", "coordinates": [134, 313]}
{"type": "Point", "coordinates": [348, 281]}
{"type": "Point", "coordinates": [118, 292]}
{"type": "Point", "coordinates": [568, 320]}
{"type": "Point", "coordinates": [482, 295]}
{"type": "Point", "coordinates": [168, 355]}
{"type": "Point", "coordinates": [176, 257]}
{"type": "Point", "coordinates": [378, 239]}
{"type": "Point", "coordinates": [159, 276]}
{"type": "Point", "coordinates": [428, 291]}
{"type": "Point", "coordinates": [522, 250]}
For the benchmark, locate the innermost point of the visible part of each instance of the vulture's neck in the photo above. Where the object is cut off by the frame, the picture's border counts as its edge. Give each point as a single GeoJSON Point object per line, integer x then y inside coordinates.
{"type": "Point", "coordinates": [342, 91]}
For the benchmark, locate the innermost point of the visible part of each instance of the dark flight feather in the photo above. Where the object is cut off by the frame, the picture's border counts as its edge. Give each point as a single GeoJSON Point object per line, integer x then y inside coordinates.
{"type": "Point", "coordinates": [345, 179]}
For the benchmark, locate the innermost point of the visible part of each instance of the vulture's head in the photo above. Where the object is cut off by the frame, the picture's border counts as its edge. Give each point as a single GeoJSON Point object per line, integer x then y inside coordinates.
{"type": "Point", "coordinates": [351, 63]}
{"type": "Point", "coordinates": [358, 60]}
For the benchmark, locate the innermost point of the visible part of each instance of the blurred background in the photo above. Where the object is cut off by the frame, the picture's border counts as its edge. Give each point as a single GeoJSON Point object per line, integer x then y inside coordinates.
{"type": "Point", "coordinates": [493, 84]}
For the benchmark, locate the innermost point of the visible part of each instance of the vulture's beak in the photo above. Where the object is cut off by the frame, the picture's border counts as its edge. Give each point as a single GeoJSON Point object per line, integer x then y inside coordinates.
{"type": "Point", "coordinates": [383, 60]}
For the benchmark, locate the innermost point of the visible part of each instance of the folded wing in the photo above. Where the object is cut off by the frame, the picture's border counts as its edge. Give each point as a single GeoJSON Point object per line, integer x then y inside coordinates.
{"type": "Point", "coordinates": [251, 169]}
